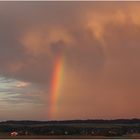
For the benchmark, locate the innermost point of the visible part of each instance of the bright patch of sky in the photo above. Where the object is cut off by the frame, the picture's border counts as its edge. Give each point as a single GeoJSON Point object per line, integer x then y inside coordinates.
{"type": "Point", "coordinates": [16, 92]}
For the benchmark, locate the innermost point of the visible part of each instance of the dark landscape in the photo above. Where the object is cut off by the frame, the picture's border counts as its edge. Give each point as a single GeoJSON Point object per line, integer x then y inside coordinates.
{"type": "Point", "coordinates": [120, 128]}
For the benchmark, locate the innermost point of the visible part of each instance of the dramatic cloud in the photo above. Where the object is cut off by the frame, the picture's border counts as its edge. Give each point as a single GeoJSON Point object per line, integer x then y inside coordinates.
{"type": "Point", "coordinates": [100, 45]}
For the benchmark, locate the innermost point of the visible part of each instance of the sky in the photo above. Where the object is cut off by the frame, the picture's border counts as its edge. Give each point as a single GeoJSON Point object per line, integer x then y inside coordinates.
{"type": "Point", "coordinates": [69, 60]}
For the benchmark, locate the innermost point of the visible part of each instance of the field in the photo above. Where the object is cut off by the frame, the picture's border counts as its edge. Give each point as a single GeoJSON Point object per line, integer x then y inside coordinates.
{"type": "Point", "coordinates": [135, 136]}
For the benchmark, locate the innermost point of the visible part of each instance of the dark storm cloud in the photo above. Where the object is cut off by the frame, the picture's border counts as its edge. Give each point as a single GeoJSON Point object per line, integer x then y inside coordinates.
{"type": "Point", "coordinates": [16, 62]}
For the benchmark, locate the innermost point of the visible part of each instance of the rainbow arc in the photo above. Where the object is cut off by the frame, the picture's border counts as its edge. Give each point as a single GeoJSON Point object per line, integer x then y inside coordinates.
{"type": "Point", "coordinates": [56, 84]}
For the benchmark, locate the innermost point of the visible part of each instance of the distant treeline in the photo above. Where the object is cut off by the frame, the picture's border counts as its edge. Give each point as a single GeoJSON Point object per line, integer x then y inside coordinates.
{"type": "Point", "coordinates": [116, 121]}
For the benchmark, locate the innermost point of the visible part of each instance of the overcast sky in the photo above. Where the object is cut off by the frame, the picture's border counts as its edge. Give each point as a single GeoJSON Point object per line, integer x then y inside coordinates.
{"type": "Point", "coordinates": [100, 42]}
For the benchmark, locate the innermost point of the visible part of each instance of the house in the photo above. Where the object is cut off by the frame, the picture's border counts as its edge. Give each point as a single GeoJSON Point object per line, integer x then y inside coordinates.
{"type": "Point", "coordinates": [14, 133]}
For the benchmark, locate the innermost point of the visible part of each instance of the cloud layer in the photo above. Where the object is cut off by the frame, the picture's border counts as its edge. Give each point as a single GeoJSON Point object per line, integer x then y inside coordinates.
{"type": "Point", "coordinates": [100, 44]}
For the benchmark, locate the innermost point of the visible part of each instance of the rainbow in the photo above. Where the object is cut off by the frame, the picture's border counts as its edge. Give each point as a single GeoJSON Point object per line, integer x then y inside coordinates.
{"type": "Point", "coordinates": [56, 84]}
